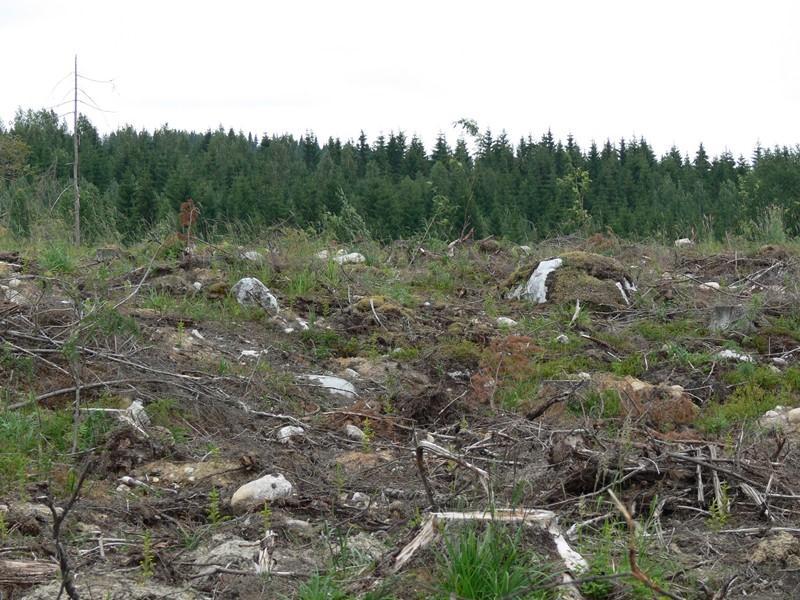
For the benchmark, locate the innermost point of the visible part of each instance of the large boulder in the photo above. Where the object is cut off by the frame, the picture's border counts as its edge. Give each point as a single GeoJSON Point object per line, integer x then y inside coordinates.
{"type": "Point", "coordinates": [593, 279]}
{"type": "Point", "coordinates": [251, 292]}
{"type": "Point", "coordinates": [254, 494]}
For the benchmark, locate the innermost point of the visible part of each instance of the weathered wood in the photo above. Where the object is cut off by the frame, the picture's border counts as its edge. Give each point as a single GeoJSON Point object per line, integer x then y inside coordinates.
{"type": "Point", "coordinates": [25, 573]}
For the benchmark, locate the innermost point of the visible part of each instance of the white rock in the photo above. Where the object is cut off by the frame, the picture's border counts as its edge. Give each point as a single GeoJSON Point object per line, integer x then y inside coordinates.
{"type": "Point", "coordinates": [710, 285]}
{"type": "Point", "coordinates": [250, 291]}
{"type": "Point", "coordinates": [197, 286]}
{"type": "Point", "coordinates": [265, 489]}
{"type": "Point", "coordinates": [252, 353]}
{"type": "Point", "coordinates": [793, 416]}
{"type": "Point", "coordinates": [683, 242]}
{"type": "Point", "coordinates": [584, 376]}
{"type": "Point", "coordinates": [535, 288]}
{"type": "Point", "coordinates": [351, 374]}
{"type": "Point", "coordinates": [775, 419]}
{"type": "Point", "coordinates": [354, 433]}
{"type": "Point", "coordinates": [234, 552]}
{"type": "Point", "coordinates": [458, 375]}
{"type": "Point", "coordinates": [322, 255]}
{"type": "Point", "coordinates": [360, 499]}
{"type": "Point", "coordinates": [351, 258]}
{"type": "Point", "coordinates": [562, 338]}
{"type": "Point", "coordinates": [506, 322]}
{"type": "Point", "coordinates": [285, 434]}
{"type": "Point", "coordinates": [526, 249]}
{"type": "Point", "coordinates": [335, 385]}
{"type": "Point", "coordinates": [253, 256]}
{"type": "Point", "coordinates": [732, 354]}
{"type": "Point", "coordinates": [197, 334]}
{"type": "Point", "coordinates": [299, 526]}
{"type": "Point", "coordinates": [780, 361]}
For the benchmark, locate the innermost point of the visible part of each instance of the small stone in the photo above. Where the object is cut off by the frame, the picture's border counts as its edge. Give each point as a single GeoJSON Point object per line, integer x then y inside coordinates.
{"type": "Point", "coordinates": [253, 256]}
{"type": "Point", "coordinates": [299, 526]}
{"type": "Point", "coordinates": [354, 433]}
{"type": "Point", "coordinates": [249, 291]}
{"type": "Point", "coordinates": [107, 253]}
{"type": "Point", "coordinates": [255, 493]}
{"type": "Point", "coordinates": [197, 286]}
{"type": "Point", "coordinates": [335, 385]}
{"type": "Point", "coordinates": [360, 499]}
{"type": "Point", "coordinates": [506, 322]}
{"type": "Point", "coordinates": [562, 339]}
{"type": "Point", "coordinates": [458, 375]}
{"type": "Point", "coordinates": [285, 434]}
{"type": "Point", "coordinates": [683, 242]}
{"type": "Point", "coordinates": [349, 259]}
{"type": "Point", "coordinates": [779, 361]}
{"type": "Point", "coordinates": [732, 354]}
{"type": "Point", "coordinates": [793, 416]}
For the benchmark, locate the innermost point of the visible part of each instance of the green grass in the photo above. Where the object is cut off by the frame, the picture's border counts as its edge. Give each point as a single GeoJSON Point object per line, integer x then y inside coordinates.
{"type": "Point", "coordinates": [757, 389]}
{"type": "Point", "coordinates": [31, 442]}
{"type": "Point", "coordinates": [607, 554]}
{"type": "Point", "coordinates": [747, 403]}
{"type": "Point", "coordinates": [58, 258]}
{"type": "Point", "coordinates": [657, 331]}
{"type": "Point", "coordinates": [326, 343]}
{"type": "Point", "coordinates": [462, 352]}
{"type": "Point", "coordinates": [597, 405]}
{"type": "Point", "coordinates": [321, 587]}
{"type": "Point", "coordinates": [490, 564]}
{"type": "Point", "coordinates": [167, 412]}
{"type": "Point", "coordinates": [632, 365]}
{"type": "Point", "coordinates": [199, 308]}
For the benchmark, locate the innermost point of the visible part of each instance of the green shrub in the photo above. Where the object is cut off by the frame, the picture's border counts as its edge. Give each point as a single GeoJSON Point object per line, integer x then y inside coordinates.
{"type": "Point", "coordinates": [58, 258]}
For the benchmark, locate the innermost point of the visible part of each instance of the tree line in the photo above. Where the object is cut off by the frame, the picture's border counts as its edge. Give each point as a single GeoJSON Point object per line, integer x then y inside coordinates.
{"type": "Point", "coordinates": [534, 188]}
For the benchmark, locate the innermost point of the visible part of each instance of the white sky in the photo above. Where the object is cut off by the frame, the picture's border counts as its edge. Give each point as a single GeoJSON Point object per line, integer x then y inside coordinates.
{"type": "Point", "coordinates": [723, 72]}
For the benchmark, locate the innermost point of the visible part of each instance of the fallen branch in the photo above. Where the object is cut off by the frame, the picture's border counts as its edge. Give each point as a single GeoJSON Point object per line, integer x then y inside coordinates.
{"type": "Point", "coordinates": [25, 573]}
{"type": "Point", "coordinates": [71, 390]}
{"type": "Point", "coordinates": [483, 476]}
{"type": "Point", "coordinates": [713, 467]}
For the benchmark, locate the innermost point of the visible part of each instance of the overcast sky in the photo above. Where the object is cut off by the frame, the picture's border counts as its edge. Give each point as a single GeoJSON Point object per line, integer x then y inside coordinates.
{"type": "Point", "coordinates": [725, 73]}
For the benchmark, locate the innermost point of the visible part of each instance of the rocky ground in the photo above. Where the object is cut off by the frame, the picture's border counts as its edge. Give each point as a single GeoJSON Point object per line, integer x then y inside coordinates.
{"type": "Point", "coordinates": [301, 419]}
